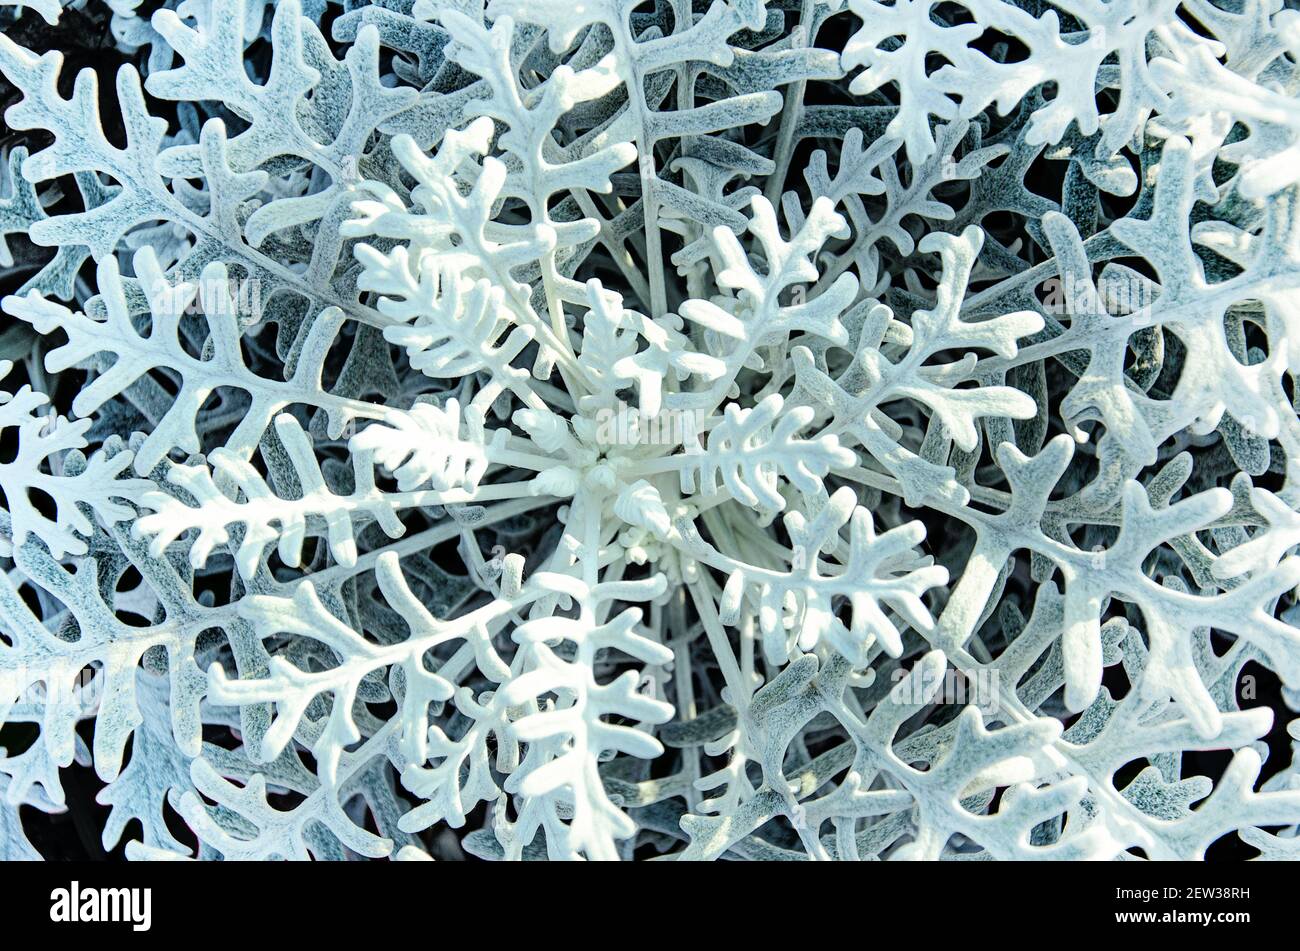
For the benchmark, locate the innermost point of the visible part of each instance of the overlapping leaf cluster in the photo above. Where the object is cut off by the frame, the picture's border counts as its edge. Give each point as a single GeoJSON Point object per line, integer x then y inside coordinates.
{"type": "Point", "coordinates": [745, 429]}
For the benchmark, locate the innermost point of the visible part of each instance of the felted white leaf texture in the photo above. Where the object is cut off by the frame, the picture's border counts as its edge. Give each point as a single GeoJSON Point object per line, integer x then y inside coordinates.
{"type": "Point", "coordinates": [638, 429]}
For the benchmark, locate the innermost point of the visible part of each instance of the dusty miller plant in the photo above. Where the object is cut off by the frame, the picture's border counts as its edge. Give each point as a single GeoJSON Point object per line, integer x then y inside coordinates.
{"type": "Point", "coordinates": [626, 429]}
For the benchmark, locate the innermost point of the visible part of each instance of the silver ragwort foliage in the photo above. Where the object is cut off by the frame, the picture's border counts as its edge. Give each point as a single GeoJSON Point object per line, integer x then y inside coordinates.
{"type": "Point", "coordinates": [747, 429]}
